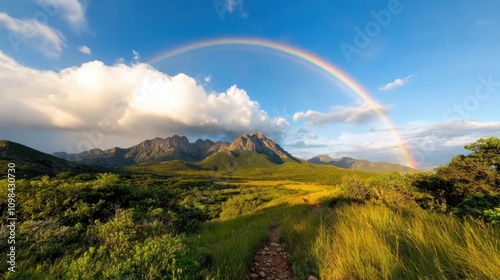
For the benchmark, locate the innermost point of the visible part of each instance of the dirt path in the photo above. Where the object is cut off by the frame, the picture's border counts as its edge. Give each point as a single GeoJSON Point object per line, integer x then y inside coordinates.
{"type": "Point", "coordinates": [271, 261]}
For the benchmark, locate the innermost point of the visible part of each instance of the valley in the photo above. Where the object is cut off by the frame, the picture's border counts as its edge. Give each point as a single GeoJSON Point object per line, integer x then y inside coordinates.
{"type": "Point", "coordinates": [213, 218]}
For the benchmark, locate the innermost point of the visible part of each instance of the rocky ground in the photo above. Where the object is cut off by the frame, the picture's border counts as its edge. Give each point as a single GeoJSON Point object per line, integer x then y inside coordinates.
{"type": "Point", "coordinates": [271, 261]}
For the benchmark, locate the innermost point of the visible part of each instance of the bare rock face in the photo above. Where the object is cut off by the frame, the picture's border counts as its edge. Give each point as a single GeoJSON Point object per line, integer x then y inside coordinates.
{"type": "Point", "coordinates": [177, 147]}
{"type": "Point", "coordinates": [205, 148]}
{"type": "Point", "coordinates": [158, 146]}
{"type": "Point", "coordinates": [257, 142]}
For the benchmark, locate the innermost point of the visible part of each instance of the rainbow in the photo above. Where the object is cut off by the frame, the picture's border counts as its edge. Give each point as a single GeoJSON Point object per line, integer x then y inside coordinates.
{"type": "Point", "coordinates": [308, 57]}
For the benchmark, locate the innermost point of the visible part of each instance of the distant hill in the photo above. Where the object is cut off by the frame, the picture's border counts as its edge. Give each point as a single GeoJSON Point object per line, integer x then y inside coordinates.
{"type": "Point", "coordinates": [360, 164]}
{"type": "Point", "coordinates": [32, 163]}
{"type": "Point", "coordinates": [208, 153]}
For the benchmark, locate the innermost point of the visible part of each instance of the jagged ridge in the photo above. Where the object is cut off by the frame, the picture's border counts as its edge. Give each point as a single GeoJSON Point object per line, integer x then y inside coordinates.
{"type": "Point", "coordinates": [179, 147]}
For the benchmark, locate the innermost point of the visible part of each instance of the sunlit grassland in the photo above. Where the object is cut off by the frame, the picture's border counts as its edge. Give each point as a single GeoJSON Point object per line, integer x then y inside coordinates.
{"type": "Point", "coordinates": [360, 241]}
{"type": "Point", "coordinates": [240, 170]}
{"type": "Point", "coordinates": [210, 228]}
{"type": "Point", "coordinates": [292, 192]}
{"type": "Point", "coordinates": [346, 238]}
{"type": "Point", "coordinates": [233, 241]}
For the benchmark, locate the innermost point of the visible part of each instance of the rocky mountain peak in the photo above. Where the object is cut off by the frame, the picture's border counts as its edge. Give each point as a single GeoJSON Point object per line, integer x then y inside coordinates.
{"type": "Point", "coordinates": [179, 147]}
{"type": "Point", "coordinates": [257, 142]}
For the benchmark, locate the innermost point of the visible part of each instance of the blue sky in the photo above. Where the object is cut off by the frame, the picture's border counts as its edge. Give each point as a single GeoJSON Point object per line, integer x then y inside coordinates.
{"type": "Point", "coordinates": [69, 68]}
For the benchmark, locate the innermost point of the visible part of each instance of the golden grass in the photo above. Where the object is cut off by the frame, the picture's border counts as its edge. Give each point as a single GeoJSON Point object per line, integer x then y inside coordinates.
{"type": "Point", "coordinates": [373, 242]}
{"type": "Point", "coordinates": [351, 241]}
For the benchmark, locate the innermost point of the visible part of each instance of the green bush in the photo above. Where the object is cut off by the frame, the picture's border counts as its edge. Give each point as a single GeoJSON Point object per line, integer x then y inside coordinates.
{"type": "Point", "coordinates": [164, 257]}
{"type": "Point", "coordinates": [493, 215]}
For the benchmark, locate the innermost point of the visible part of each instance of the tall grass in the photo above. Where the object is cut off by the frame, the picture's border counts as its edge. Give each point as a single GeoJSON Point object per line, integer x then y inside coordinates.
{"type": "Point", "coordinates": [373, 242]}
{"type": "Point", "coordinates": [231, 241]}
{"type": "Point", "coordinates": [231, 244]}
{"type": "Point", "coordinates": [299, 233]}
{"type": "Point", "coordinates": [346, 237]}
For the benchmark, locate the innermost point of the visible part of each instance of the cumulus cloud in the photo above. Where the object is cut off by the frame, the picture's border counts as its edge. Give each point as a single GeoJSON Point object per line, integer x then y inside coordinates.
{"type": "Point", "coordinates": [46, 39]}
{"type": "Point", "coordinates": [85, 50]}
{"type": "Point", "coordinates": [129, 100]}
{"type": "Point", "coordinates": [450, 134]}
{"type": "Point", "coordinates": [342, 114]}
{"type": "Point", "coordinates": [72, 11]}
{"type": "Point", "coordinates": [395, 84]}
{"type": "Point", "coordinates": [430, 143]}
{"type": "Point", "coordinates": [207, 79]}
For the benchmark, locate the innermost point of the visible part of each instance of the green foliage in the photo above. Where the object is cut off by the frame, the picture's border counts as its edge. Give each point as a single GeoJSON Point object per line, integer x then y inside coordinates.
{"type": "Point", "coordinates": [119, 256]}
{"type": "Point", "coordinates": [469, 184]}
{"type": "Point", "coordinates": [354, 187]}
{"type": "Point", "coordinates": [236, 206]}
{"type": "Point", "coordinates": [186, 221]}
{"type": "Point", "coordinates": [393, 190]}
{"type": "Point", "coordinates": [493, 215]}
{"type": "Point", "coordinates": [486, 150]}
{"type": "Point", "coordinates": [75, 225]}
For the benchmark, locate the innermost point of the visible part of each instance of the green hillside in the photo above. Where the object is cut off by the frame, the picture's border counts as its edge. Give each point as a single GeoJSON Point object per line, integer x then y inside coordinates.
{"type": "Point", "coordinates": [250, 165]}
{"type": "Point", "coordinates": [31, 163]}
{"type": "Point", "coordinates": [359, 164]}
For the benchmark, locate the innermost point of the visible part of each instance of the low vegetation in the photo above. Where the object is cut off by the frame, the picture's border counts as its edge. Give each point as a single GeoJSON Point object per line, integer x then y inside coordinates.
{"type": "Point", "coordinates": [173, 221]}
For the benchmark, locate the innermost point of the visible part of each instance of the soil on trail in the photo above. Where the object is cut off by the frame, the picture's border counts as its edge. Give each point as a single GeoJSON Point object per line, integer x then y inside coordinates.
{"type": "Point", "coordinates": [271, 261]}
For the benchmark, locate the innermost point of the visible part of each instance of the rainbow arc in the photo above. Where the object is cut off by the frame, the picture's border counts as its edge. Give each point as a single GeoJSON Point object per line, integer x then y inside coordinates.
{"type": "Point", "coordinates": [322, 64]}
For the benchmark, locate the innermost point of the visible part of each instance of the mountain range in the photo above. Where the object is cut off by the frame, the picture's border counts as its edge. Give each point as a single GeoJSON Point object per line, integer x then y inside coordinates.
{"type": "Point", "coordinates": [179, 147]}
{"type": "Point", "coordinates": [247, 151]}
{"type": "Point", "coordinates": [361, 164]}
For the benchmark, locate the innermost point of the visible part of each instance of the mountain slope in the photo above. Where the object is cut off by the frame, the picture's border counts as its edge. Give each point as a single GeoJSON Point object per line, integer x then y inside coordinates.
{"type": "Point", "coordinates": [260, 144]}
{"type": "Point", "coordinates": [214, 154]}
{"type": "Point", "coordinates": [154, 150]}
{"type": "Point", "coordinates": [359, 164]}
{"type": "Point", "coordinates": [32, 163]}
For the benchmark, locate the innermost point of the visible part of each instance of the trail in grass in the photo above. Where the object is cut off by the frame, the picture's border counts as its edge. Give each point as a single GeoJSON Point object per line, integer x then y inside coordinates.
{"type": "Point", "coordinates": [271, 261]}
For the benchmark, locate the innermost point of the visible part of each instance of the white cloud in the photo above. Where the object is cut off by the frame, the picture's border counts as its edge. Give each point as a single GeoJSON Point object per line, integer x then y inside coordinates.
{"type": "Point", "coordinates": [208, 79]}
{"type": "Point", "coordinates": [431, 144]}
{"type": "Point", "coordinates": [396, 83]}
{"type": "Point", "coordinates": [47, 40]}
{"type": "Point", "coordinates": [85, 50]}
{"type": "Point", "coordinates": [71, 11]}
{"type": "Point", "coordinates": [138, 100]}
{"type": "Point", "coordinates": [341, 114]}
{"type": "Point", "coordinates": [136, 55]}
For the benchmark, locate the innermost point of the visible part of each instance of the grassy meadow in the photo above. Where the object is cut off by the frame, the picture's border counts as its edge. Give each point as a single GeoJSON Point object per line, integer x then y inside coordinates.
{"type": "Point", "coordinates": [174, 221]}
